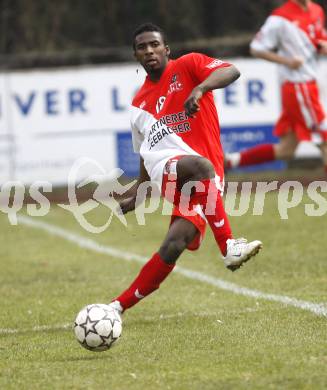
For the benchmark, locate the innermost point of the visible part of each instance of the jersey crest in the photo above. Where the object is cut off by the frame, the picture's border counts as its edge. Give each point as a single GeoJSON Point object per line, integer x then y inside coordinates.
{"type": "Point", "coordinates": [175, 84]}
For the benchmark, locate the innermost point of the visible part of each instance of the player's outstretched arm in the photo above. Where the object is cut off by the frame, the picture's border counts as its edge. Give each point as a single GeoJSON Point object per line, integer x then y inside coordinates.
{"type": "Point", "coordinates": [129, 203]}
{"type": "Point", "coordinates": [220, 78]}
{"type": "Point", "coordinates": [291, 62]}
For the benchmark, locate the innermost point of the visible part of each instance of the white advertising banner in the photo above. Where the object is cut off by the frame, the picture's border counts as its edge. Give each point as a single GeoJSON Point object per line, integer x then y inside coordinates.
{"type": "Point", "coordinates": [54, 117]}
{"type": "Point", "coordinates": [52, 158]}
{"type": "Point", "coordinates": [60, 116]}
{"type": "Point", "coordinates": [6, 139]}
{"type": "Point", "coordinates": [253, 98]}
{"type": "Point", "coordinates": [6, 159]}
{"type": "Point", "coordinates": [3, 106]}
{"type": "Point", "coordinates": [73, 100]}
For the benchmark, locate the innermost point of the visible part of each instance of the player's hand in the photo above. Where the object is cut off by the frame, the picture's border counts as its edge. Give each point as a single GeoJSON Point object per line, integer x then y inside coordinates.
{"type": "Point", "coordinates": [127, 205]}
{"type": "Point", "coordinates": [322, 47]}
{"type": "Point", "coordinates": [192, 104]}
{"type": "Point", "coordinates": [294, 62]}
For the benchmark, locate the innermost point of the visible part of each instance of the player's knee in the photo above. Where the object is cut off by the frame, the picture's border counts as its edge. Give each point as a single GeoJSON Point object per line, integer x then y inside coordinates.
{"type": "Point", "coordinates": [285, 152]}
{"type": "Point", "coordinates": [171, 249]}
{"type": "Point", "coordinates": [194, 168]}
{"type": "Point", "coordinates": [202, 169]}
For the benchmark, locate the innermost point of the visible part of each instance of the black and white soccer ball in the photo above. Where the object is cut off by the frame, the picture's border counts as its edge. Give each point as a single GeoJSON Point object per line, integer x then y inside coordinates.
{"type": "Point", "coordinates": [97, 327]}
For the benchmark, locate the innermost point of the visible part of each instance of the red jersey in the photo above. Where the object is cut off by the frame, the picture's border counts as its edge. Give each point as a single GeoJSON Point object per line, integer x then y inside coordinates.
{"type": "Point", "coordinates": [294, 32]}
{"type": "Point", "coordinates": [161, 129]}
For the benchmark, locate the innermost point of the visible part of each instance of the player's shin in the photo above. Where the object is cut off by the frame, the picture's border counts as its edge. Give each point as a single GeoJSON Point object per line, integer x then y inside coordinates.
{"type": "Point", "coordinates": [210, 199]}
{"type": "Point", "coordinates": [153, 273]}
{"type": "Point", "coordinates": [257, 155]}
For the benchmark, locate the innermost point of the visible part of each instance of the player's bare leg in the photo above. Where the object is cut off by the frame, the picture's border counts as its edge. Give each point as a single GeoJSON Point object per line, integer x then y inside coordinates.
{"type": "Point", "coordinates": [181, 232]}
{"type": "Point", "coordinates": [286, 147]}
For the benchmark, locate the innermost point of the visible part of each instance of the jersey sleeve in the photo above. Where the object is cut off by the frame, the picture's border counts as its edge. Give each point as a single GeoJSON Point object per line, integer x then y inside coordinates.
{"type": "Point", "coordinates": [201, 66]}
{"type": "Point", "coordinates": [268, 36]}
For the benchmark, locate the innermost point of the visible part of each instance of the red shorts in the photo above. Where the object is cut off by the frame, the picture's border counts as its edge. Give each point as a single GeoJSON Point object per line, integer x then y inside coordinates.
{"type": "Point", "coordinates": [302, 111]}
{"type": "Point", "coordinates": [169, 192]}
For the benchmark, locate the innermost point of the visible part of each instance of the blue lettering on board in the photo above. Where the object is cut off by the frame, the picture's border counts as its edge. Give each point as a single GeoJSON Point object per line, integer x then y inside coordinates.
{"type": "Point", "coordinates": [255, 91]}
{"type": "Point", "coordinates": [230, 95]}
{"type": "Point", "coordinates": [76, 100]}
{"type": "Point", "coordinates": [115, 100]}
{"type": "Point", "coordinates": [51, 102]}
{"type": "Point", "coordinates": [25, 106]}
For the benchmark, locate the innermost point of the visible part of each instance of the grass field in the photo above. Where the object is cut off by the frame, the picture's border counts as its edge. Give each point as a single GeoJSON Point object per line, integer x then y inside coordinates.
{"type": "Point", "coordinates": [188, 335]}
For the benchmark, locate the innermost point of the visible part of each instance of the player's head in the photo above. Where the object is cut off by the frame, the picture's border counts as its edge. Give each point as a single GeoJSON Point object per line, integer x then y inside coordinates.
{"type": "Point", "coordinates": [150, 48]}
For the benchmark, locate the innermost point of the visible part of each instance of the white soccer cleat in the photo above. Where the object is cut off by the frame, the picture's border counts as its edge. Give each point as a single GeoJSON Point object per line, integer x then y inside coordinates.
{"type": "Point", "coordinates": [117, 307]}
{"type": "Point", "coordinates": [239, 251]}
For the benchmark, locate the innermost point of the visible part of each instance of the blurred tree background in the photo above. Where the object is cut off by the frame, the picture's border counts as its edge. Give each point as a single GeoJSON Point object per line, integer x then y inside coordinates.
{"type": "Point", "coordinates": [63, 32]}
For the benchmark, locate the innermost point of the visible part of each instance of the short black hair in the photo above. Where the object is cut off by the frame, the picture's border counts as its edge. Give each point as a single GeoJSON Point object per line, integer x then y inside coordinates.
{"type": "Point", "coordinates": [149, 27]}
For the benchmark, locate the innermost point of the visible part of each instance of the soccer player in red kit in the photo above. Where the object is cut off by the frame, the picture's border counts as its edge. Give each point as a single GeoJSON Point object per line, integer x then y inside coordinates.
{"type": "Point", "coordinates": [292, 36]}
{"type": "Point", "coordinates": [175, 130]}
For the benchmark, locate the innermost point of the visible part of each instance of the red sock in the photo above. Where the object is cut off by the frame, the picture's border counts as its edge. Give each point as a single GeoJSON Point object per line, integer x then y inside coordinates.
{"type": "Point", "coordinates": [257, 155]}
{"type": "Point", "coordinates": [213, 208]}
{"type": "Point", "coordinates": [153, 273]}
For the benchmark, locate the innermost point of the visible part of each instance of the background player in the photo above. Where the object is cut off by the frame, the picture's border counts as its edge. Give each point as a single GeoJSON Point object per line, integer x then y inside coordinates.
{"type": "Point", "coordinates": [292, 36]}
{"type": "Point", "coordinates": [176, 131]}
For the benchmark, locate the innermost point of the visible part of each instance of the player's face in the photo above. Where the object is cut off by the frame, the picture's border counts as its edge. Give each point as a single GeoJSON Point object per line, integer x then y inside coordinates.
{"type": "Point", "coordinates": [304, 3]}
{"type": "Point", "coordinates": [151, 52]}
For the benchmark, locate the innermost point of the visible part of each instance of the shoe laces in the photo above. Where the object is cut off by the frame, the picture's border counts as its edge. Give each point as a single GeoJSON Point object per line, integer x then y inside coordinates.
{"type": "Point", "coordinates": [239, 241]}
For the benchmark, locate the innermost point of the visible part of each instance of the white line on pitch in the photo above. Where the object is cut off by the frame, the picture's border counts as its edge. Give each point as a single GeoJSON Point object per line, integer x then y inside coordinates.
{"type": "Point", "coordinates": [39, 328]}
{"type": "Point", "coordinates": [319, 309]}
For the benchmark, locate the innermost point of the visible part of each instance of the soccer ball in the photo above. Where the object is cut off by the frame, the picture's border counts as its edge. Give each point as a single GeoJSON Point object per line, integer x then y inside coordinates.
{"type": "Point", "coordinates": [97, 327]}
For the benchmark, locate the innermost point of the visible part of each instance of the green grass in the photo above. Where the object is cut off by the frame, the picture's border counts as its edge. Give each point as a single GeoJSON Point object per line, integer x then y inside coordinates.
{"type": "Point", "coordinates": [188, 335]}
